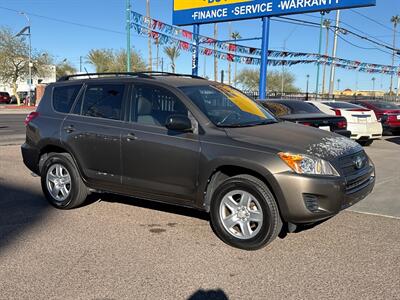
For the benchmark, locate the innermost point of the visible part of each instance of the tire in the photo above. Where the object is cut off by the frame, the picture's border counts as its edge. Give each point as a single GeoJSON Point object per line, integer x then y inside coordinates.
{"type": "Point", "coordinates": [261, 206]}
{"type": "Point", "coordinates": [366, 143]}
{"type": "Point", "coordinates": [74, 192]}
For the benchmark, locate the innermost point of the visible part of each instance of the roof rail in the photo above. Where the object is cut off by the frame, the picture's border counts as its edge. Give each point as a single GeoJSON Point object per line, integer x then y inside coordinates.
{"type": "Point", "coordinates": [157, 73]}
{"type": "Point", "coordinates": [105, 74]}
{"type": "Point", "coordinates": [143, 74]}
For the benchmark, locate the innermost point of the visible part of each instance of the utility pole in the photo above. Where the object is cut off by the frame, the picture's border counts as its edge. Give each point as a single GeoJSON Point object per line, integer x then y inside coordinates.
{"type": "Point", "coordinates": [332, 75]}
{"type": "Point", "coordinates": [80, 64]}
{"type": "Point", "coordinates": [149, 40]}
{"type": "Point", "coordinates": [229, 62]}
{"type": "Point", "coordinates": [373, 86]}
{"type": "Point", "coordinates": [395, 20]}
{"type": "Point", "coordinates": [128, 36]}
{"type": "Point", "coordinates": [308, 79]}
{"type": "Point", "coordinates": [327, 25]}
{"type": "Point", "coordinates": [30, 64]}
{"type": "Point", "coordinates": [215, 54]}
{"type": "Point", "coordinates": [157, 42]}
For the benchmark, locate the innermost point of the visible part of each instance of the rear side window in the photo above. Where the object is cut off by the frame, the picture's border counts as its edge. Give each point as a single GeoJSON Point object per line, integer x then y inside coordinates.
{"type": "Point", "coordinates": [64, 97]}
{"type": "Point", "coordinates": [102, 101]}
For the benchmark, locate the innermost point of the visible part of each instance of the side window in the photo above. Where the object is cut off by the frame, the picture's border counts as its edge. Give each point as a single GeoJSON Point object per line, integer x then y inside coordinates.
{"type": "Point", "coordinates": [64, 97]}
{"type": "Point", "coordinates": [153, 105]}
{"type": "Point", "coordinates": [102, 101]}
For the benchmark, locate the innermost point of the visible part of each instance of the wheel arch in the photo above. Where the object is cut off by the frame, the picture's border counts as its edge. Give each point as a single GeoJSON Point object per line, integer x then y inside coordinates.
{"type": "Point", "coordinates": [225, 171]}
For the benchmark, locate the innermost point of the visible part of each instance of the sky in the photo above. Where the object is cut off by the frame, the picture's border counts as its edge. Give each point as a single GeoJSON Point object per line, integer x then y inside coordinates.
{"type": "Point", "coordinates": [70, 29]}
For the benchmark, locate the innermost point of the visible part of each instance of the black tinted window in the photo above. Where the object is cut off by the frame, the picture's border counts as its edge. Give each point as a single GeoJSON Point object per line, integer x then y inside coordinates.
{"type": "Point", "coordinates": [64, 97]}
{"type": "Point", "coordinates": [153, 105]}
{"type": "Point", "coordinates": [102, 101]}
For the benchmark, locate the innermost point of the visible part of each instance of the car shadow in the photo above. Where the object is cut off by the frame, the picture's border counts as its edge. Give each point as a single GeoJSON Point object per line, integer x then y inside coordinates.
{"type": "Point", "coordinates": [148, 204]}
{"type": "Point", "coordinates": [395, 140]}
{"type": "Point", "coordinates": [20, 210]}
{"type": "Point", "coordinates": [209, 295]}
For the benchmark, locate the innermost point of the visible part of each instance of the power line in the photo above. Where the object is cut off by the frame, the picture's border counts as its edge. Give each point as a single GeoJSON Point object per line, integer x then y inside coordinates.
{"type": "Point", "coordinates": [372, 20]}
{"type": "Point", "coordinates": [341, 29]}
{"type": "Point", "coordinates": [354, 28]}
{"type": "Point", "coordinates": [69, 22]}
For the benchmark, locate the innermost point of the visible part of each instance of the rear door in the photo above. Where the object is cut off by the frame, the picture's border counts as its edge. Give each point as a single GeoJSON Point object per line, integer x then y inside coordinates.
{"type": "Point", "coordinates": [92, 132]}
{"type": "Point", "coordinates": [155, 160]}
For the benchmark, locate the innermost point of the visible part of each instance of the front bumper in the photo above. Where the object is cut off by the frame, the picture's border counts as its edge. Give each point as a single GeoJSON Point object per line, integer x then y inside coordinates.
{"type": "Point", "coordinates": [308, 199]}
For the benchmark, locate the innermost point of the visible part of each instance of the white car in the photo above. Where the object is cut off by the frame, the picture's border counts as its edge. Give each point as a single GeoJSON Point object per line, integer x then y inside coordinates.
{"type": "Point", "coordinates": [361, 121]}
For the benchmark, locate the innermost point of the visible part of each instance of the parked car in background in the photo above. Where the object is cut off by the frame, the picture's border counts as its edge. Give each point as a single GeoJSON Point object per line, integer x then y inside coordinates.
{"type": "Point", "coordinates": [5, 98]}
{"type": "Point", "coordinates": [361, 121]}
{"type": "Point", "coordinates": [307, 114]}
{"type": "Point", "coordinates": [387, 113]}
{"type": "Point", "coordinates": [191, 142]}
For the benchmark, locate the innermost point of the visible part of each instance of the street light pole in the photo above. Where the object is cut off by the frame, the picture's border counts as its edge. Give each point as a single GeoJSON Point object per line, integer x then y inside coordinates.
{"type": "Point", "coordinates": [30, 65]}
{"type": "Point", "coordinates": [128, 35]}
{"type": "Point", "coordinates": [332, 75]}
{"type": "Point", "coordinates": [308, 79]}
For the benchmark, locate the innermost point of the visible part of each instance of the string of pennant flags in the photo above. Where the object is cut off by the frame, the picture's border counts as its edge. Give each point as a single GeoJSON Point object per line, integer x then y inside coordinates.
{"type": "Point", "coordinates": [165, 34]}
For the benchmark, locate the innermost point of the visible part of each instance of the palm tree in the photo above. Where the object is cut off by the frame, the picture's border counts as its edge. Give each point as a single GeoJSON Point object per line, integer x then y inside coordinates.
{"type": "Point", "coordinates": [395, 20]}
{"type": "Point", "coordinates": [327, 24]}
{"type": "Point", "coordinates": [101, 59]}
{"type": "Point", "coordinates": [173, 53]}
{"type": "Point", "coordinates": [235, 36]}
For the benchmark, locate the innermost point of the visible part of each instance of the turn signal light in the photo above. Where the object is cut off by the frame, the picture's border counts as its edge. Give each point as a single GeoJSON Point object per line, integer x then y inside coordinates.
{"type": "Point", "coordinates": [30, 117]}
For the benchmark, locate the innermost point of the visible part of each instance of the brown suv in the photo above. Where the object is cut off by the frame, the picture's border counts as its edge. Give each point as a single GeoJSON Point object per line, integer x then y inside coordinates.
{"type": "Point", "coordinates": [191, 142]}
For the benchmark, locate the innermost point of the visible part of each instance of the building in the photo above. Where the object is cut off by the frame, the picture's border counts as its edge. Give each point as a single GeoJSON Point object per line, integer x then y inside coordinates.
{"type": "Point", "coordinates": [23, 83]}
{"type": "Point", "coordinates": [364, 93]}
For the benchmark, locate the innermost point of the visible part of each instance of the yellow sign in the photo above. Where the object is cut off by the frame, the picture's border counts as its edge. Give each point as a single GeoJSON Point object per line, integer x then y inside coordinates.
{"type": "Point", "coordinates": [192, 4]}
{"type": "Point", "coordinates": [244, 103]}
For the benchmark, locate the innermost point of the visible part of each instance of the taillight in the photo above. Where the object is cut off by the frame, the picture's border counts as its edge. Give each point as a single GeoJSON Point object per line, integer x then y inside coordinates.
{"type": "Point", "coordinates": [392, 118]}
{"type": "Point", "coordinates": [342, 124]}
{"type": "Point", "coordinates": [337, 112]}
{"type": "Point", "coordinates": [30, 117]}
{"type": "Point", "coordinates": [306, 123]}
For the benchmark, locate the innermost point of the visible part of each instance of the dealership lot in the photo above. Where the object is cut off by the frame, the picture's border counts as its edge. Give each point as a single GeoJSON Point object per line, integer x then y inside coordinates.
{"type": "Point", "coordinates": [122, 248]}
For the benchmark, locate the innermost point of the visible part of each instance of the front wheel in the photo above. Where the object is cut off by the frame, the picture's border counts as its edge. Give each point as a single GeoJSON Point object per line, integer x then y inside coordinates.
{"type": "Point", "coordinates": [61, 182]}
{"type": "Point", "coordinates": [244, 213]}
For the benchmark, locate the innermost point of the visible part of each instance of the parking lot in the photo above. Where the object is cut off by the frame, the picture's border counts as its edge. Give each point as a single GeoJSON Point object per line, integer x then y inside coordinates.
{"type": "Point", "coordinates": [123, 248]}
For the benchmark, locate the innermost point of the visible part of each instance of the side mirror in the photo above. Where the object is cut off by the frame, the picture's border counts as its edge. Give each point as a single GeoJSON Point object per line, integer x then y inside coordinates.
{"type": "Point", "coordinates": [179, 123]}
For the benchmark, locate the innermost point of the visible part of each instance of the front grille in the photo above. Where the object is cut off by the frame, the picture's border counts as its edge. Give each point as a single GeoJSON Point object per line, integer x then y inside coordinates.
{"type": "Point", "coordinates": [357, 171]}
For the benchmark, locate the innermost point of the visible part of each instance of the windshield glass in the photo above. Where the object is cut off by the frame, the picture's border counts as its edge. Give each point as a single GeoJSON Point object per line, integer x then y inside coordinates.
{"type": "Point", "coordinates": [227, 107]}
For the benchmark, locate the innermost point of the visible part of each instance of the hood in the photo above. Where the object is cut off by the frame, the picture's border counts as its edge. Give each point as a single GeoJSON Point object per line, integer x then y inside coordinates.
{"type": "Point", "coordinates": [295, 138]}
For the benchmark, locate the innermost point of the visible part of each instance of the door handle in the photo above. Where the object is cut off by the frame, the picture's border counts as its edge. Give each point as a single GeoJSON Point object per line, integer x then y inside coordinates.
{"type": "Point", "coordinates": [131, 137]}
{"type": "Point", "coordinates": [69, 128]}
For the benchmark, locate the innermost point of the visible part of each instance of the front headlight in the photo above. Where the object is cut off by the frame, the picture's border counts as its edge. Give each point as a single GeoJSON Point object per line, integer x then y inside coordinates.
{"type": "Point", "coordinates": [305, 164]}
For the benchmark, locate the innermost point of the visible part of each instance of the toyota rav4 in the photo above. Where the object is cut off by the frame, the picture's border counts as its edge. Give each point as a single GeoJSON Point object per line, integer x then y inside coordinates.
{"type": "Point", "coordinates": [191, 142]}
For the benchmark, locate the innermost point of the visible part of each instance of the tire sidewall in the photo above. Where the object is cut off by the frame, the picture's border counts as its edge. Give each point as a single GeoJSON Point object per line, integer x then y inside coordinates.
{"type": "Point", "coordinates": [62, 160]}
{"type": "Point", "coordinates": [269, 218]}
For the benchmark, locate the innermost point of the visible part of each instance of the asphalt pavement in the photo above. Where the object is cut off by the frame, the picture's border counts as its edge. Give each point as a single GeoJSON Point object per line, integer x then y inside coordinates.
{"type": "Point", "coordinates": [12, 129]}
{"type": "Point", "coordinates": [123, 248]}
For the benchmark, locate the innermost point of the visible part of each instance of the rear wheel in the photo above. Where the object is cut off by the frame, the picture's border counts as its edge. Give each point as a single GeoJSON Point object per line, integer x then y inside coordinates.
{"type": "Point", "coordinates": [61, 182]}
{"type": "Point", "coordinates": [366, 143]}
{"type": "Point", "coordinates": [244, 213]}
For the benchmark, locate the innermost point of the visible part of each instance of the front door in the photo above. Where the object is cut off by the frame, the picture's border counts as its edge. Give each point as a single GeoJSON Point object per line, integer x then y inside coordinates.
{"type": "Point", "coordinates": [155, 160]}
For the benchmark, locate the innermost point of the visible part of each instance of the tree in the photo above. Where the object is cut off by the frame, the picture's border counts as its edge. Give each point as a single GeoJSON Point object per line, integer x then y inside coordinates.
{"type": "Point", "coordinates": [173, 53]}
{"type": "Point", "coordinates": [64, 68]}
{"type": "Point", "coordinates": [395, 20]}
{"type": "Point", "coordinates": [109, 60]}
{"type": "Point", "coordinates": [249, 80]}
{"type": "Point", "coordinates": [14, 60]}
{"type": "Point", "coordinates": [236, 36]}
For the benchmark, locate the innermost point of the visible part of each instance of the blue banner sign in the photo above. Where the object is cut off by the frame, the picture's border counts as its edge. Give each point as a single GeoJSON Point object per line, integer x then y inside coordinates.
{"type": "Point", "coordinates": [188, 12]}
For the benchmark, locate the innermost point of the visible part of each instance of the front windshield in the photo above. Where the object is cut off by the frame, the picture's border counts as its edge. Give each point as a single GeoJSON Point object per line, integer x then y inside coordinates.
{"type": "Point", "coordinates": [227, 107]}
